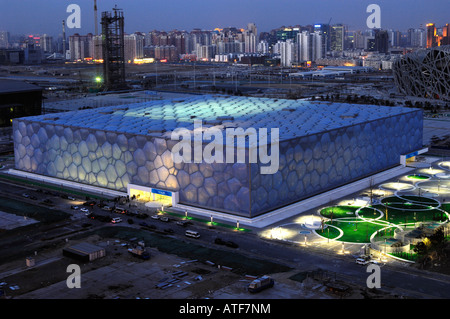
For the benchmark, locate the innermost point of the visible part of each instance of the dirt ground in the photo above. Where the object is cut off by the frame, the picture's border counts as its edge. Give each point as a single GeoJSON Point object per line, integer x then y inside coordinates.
{"type": "Point", "coordinates": [119, 275]}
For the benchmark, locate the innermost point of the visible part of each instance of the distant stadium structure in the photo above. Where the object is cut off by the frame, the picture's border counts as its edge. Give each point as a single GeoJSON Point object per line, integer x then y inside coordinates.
{"type": "Point", "coordinates": [424, 73]}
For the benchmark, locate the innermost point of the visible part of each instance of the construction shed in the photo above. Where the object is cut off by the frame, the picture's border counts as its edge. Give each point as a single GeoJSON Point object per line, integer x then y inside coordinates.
{"type": "Point", "coordinates": [84, 252]}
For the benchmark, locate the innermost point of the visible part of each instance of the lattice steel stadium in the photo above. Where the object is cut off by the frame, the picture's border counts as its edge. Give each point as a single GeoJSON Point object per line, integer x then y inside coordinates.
{"type": "Point", "coordinates": [424, 73]}
{"type": "Point", "coordinates": [322, 146]}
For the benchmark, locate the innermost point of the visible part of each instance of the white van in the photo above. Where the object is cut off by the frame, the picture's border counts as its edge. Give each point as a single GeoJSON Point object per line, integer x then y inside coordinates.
{"type": "Point", "coordinates": [191, 233]}
{"type": "Point", "coordinates": [116, 220]}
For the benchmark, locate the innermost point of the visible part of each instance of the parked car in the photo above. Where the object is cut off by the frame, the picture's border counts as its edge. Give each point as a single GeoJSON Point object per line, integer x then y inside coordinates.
{"type": "Point", "coordinates": [183, 223]}
{"type": "Point", "coordinates": [116, 220]}
{"type": "Point", "coordinates": [142, 215]}
{"type": "Point", "coordinates": [231, 244]}
{"type": "Point", "coordinates": [219, 241]}
{"type": "Point", "coordinates": [361, 261]}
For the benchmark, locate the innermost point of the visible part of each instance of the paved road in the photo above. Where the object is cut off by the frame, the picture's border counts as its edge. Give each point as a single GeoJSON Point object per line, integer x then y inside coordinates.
{"type": "Point", "coordinates": [396, 277]}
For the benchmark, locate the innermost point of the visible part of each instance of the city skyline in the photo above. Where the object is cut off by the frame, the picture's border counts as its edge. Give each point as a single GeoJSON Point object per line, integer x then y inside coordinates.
{"type": "Point", "coordinates": [144, 17]}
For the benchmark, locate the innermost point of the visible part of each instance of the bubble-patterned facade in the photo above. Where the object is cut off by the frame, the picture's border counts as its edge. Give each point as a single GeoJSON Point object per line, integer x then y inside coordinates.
{"type": "Point", "coordinates": [322, 146]}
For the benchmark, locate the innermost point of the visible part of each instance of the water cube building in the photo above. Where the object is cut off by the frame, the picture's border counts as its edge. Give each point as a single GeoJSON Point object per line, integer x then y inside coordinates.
{"type": "Point", "coordinates": [129, 148]}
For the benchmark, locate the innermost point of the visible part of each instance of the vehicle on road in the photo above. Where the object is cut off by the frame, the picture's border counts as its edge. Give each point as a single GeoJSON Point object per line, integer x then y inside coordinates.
{"type": "Point", "coordinates": [192, 233]}
{"type": "Point", "coordinates": [155, 217]}
{"type": "Point", "coordinates": [164, 219]}
{"type": "Point", "coordinates": [116, 220]}
{"type": "Point", "coordinates": [107, 208]}
{"type": "Point", "coordinates": [74, 207]}
{"type": "Point", "coordinates": [168, 230]}
{"type": "Point", "coordinates": [362, 261]}
{"type": "Point", "coordinates": [71, 197]}
{"type": "Point", "coordinates": [183, 223]}
{"type": "Point", "coordinates": [142, 215]}
{"type": "Point", "coordinates": [260, 284]}
{"type": "Point", "coordinates": [220, 241]}
{"type": "Point", "coordinates": [231, 244]}
{"type": "Point", "coordinates": [25, 195]}
{"type": "Point", "coordinates": [90, 203]}
{"type": "Point", "coordinates": [84, 210]}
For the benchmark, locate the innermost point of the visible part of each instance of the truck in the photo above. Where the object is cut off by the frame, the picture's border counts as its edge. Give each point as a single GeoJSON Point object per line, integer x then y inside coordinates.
{"type": "Point", "coordinates": [260, 284]}
{"type": "Point", "coordinates": [139, 252]}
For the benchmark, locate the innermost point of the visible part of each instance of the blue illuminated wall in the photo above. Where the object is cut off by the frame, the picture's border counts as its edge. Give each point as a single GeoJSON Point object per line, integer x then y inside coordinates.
{"type": "Point", "coordinates": [308, 164]}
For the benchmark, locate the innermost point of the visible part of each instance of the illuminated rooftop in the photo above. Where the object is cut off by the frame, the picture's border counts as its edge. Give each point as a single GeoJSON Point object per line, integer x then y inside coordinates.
{"type": "Point", "coordinates": [294, 118]}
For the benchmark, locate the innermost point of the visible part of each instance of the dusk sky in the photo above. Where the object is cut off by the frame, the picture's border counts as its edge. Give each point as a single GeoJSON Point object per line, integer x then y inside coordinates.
{"type": "Point", "coordinates": [45, 16]}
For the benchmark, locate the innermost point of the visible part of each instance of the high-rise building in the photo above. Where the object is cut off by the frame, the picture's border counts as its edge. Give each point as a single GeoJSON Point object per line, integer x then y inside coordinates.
{"type": "Point", "coordinates": [417, 38]}
{"type": "Point", "coordinates": [446, 35]}
{"type": "Point", "coordinates": [309, 46]}
{"type": "Point", "coordinates": [337, 33]}
{"type": "Point", "coordinates": [358, 40]}
{"type": "Point", "coordinates": [263, 47]}
{"type": "Point", "coordinates": [394, 38]}
{"type": "Point", "coordinates": [287, 33]}
{"type": "Point", "coordinates": [252, 28]}
{"type": "Point", "coordinates": [250, 38]}
{"type": "Point", "coordinates": [4, 39]}
{"type": "Point", "coordinates": [33, 54]}
{"type": "Point", "coordinates": [431, 35]}
{"type": "Point", "coordinates": [81, 46]}
{"type": "Point", "coordinates": [47, 43]}
{"type": "Point", "coordinates": [324, 30]}
{"type": "Point", "coordinates": [134, 47]}
{"type": "Point", "coordinates": [287, 52]}
{"type": "Point", "coordinates": [381, 41]}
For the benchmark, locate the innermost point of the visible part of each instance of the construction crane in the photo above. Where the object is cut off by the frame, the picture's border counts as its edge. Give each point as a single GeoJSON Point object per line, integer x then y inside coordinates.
{"type": "Point", "coordinates": [95, 17]}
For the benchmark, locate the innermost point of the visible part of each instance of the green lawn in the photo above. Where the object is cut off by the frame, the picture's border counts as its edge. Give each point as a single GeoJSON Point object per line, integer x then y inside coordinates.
{"type": "Point", "coordinates": [369, 212]}
{"type": "Point", "coordinates": [339, 211]}
{"type": "Point", "coordinates": [418, 177]}
{"type": "Point", "coordinates": [354, 230]}
{"type": "Point", "coordinates": [398, 216]}
{"type": "Point", "coordinates": [410, 202]}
